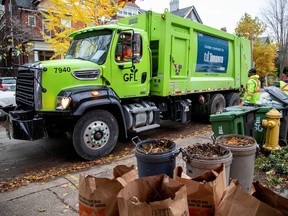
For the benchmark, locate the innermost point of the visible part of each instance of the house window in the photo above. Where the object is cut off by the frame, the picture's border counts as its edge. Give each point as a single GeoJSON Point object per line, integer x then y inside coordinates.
{"type": "Point", "coordinates": [31, 21]}
{"type": "Point", "coordinates": [44, 29]}
{"type": "Point", "coordinates": [66, 23]}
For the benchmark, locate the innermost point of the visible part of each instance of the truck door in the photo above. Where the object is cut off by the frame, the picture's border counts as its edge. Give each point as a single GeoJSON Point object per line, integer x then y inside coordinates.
{"type": "Point", "coordinates": [131, 79]}
{"type": "Point", "coordinates": [179, 62]}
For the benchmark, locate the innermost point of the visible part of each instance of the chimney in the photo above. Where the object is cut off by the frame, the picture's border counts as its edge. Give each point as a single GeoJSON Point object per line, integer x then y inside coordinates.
{"type": "Point", "coordinates": [174, 5]}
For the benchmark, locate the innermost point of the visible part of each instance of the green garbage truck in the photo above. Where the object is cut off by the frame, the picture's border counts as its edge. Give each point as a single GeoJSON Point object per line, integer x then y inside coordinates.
{"type": "Point", "coordinates": [127, 77]}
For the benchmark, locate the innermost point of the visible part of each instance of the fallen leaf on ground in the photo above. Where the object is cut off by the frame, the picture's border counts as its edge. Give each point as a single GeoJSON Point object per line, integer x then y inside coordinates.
{"type": "Point", "coordinates": [41, 210]}
{"type": "Point", "coordinates": [64, 185]}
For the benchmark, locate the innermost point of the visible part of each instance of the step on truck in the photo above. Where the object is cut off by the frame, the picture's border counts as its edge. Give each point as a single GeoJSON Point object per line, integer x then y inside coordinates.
{"type": "Point", "coordinates": [126, 78]}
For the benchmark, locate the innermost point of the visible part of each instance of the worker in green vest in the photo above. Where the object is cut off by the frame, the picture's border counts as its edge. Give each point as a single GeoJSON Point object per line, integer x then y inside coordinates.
{"type": "Point", "coordinates": [284, 85]}
{"type": "Point", "coordinates": [252, 89]}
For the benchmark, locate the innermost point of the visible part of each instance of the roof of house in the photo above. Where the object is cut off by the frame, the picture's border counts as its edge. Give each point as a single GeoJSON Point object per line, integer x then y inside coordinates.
{"type": "Point", "coordinates": [24, 3]}
{"type": "Point", "coordinates": [184, 12]}
{"type": "Point", "coordinates": [264, 40]}
{"type": "Point", "coordinates": [132, 5]}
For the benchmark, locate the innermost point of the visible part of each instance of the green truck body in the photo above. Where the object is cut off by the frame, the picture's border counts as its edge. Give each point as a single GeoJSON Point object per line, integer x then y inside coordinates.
{"type": "Point", "coordinates": [176, 67]}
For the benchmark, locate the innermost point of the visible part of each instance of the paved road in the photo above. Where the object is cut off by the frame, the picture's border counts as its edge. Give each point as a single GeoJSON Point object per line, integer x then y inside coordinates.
{"type": "Point", "coordinates": [18, 157]}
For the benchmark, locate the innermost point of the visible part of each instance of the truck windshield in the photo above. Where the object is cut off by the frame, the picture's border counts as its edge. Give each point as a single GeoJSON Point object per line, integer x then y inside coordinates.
{"type": "Point", "coordinates": [90, 46]}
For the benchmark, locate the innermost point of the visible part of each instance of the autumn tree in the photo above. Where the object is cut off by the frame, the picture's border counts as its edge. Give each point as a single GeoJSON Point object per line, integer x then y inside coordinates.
{"type": "Point", "coordinates": [275, 15]}
{"type": "Point", "coordinates": [250, 28]}
{"type": "Point", "coordinates": [66, 16]}
{"type": "Point", "coordinates": [263, 55]}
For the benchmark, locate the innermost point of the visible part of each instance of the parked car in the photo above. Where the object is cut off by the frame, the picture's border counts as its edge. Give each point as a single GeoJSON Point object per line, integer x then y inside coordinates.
{"type": "Point", "coordinates": [7, 98]}
{"type": "Point", "coordinates": [8, 83]}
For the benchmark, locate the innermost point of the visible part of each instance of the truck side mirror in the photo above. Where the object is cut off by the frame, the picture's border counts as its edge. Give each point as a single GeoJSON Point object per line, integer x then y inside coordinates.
{"type": "Point", "coordinates": [136, 58]}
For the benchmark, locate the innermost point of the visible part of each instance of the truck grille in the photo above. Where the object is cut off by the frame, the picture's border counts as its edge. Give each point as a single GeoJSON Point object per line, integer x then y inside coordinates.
{"type": "Point", "coordinates": [25, 88]}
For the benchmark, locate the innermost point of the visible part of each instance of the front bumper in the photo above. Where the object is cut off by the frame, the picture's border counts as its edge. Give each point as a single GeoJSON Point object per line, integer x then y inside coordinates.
{"type": "Point", "coordinates": [24, 125]}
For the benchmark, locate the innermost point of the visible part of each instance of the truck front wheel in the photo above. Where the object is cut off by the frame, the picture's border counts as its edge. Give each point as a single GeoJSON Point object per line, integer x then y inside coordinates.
{"type": "Point", "coordinates": [95, 135]}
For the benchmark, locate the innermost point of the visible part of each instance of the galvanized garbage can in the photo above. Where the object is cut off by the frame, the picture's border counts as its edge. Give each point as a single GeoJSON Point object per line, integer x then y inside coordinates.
{"type": "Point", "coordinates": [243, 149]}
{"type": "Point", "coordinates": [199, 160]}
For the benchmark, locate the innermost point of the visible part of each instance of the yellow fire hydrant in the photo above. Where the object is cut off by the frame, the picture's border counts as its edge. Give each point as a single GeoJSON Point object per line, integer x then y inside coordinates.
{"type": "Point", "coordinates": [272, 123]}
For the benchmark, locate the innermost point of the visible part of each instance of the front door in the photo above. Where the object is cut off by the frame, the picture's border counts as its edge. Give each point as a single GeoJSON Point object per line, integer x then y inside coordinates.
{"type": "Point", "coordinates": [130, 80]}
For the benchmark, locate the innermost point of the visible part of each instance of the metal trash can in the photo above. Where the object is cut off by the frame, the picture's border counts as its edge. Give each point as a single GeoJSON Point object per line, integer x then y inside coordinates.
{"type": "Point", "coordinates": [243, 162]}
{"type": "Point", "coordinates": [197, 163]}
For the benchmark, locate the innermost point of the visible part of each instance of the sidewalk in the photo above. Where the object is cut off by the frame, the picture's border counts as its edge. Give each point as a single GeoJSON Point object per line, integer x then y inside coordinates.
{"type": "Point", "coordinates": [60, 196]}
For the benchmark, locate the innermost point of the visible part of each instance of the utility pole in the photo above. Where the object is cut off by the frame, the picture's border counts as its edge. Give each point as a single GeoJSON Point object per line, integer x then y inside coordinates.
{"type": "Point", "coordinates": [252, 46]}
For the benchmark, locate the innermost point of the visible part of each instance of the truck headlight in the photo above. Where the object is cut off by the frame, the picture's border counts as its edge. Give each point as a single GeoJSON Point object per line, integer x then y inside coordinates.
{"type": "Point", "coordinates": [63, 102]}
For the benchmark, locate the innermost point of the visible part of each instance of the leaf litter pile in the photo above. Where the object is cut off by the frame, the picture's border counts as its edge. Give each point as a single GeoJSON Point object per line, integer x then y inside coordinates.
{"type": "Point", "coordinates": [236, 141]}
{"type": "Point", "coordinates": [156, 146]}
{"type": "Point", "coordinates": [206, 151]}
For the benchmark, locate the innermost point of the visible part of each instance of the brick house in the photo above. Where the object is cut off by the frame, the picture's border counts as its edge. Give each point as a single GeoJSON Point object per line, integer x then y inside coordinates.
{"type": "Point", "coordinates": [28, 13]}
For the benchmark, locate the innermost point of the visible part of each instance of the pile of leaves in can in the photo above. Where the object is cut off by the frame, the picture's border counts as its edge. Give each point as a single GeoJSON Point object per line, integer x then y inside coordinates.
{"type": "Point", "coordinates": [206, 151]}
{"type": "Point", "coordinates": [236, 141]}
{"type": "Point", "coordinates": [275, 165]}
{"type": "Point", "coordinates": [155, 146]}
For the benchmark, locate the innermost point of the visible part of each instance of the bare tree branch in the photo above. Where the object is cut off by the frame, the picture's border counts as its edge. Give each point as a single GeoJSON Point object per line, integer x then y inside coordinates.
{"type": "Point", "coordinates": [275, 15]}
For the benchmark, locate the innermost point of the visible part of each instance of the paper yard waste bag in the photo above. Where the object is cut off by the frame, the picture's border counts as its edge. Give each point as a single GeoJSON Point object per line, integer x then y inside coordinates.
{"type": "Point", "coordinates": [98, 196]}
{"type": "Point", "coordinates": [153, 195]}
{"type": "Point", "coordinates": [205, 191]}
{"type": "Point", "coordinates": [237, 202]}
{"type": "Point", "coordinates": [271, 198]}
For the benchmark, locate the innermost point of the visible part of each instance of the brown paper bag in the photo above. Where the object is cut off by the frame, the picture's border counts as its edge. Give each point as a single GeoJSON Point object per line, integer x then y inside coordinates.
{"type": "Point", "coordinates": [237, 202]}
{"type": "Point", "coordinates": [271, 198]}
{"type": "Point", "coordinates": [153, 195]}
{"type": "Point", "coordinates": [98, 196]}
{"type": "Point", "coordinates": [203, 192]}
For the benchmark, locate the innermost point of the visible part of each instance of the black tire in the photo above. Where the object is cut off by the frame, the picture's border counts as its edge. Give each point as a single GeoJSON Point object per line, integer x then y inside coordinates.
{"type": "Point", "coordinates": [95, 123]}
{"type": "Point", "coordinates": [232, 99]}
{"type": "Point", "coordinates": [216, 104]}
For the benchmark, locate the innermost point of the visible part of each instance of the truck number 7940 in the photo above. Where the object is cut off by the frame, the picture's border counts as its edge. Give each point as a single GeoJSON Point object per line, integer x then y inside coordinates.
{"type": "Point", "coordinates": [62, 69]}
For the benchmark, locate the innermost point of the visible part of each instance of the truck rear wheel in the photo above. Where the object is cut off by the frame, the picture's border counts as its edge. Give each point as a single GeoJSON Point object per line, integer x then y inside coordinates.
{"type": "Point", "coordinates": [95, 135]}
{"type": "Point", "coordinates": [232, 99]}
{"type": "Point", "coordinates": [216, 104]}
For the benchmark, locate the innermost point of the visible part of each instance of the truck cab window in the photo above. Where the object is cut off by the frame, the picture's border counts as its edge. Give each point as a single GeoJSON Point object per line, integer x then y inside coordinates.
{"type": "Point", "coordinates": [125, 45]}
{"type": "Point", "coordinates": [91, 47]}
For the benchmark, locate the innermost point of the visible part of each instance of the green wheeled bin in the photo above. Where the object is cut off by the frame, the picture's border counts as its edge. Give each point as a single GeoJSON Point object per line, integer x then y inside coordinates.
{"type": "Point", "coordinates": [259, 131]}
{"type": "Point", "coordinates": [234, 120]}
{"type": "Point", "coordinates": [248, 117]}
{"type": "Point", "coordinates": [230, 122]}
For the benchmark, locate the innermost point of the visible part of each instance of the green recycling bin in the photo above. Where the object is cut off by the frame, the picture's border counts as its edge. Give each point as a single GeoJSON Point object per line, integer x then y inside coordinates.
{"type": "Point", "coordinates": [248, 117]}
{"type": "Point", "coordinates": [230, 122]}
{"type": "Point", "coordinates": [259, 131]}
